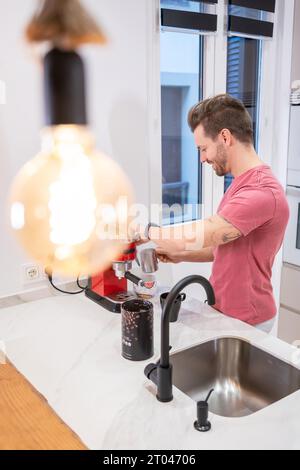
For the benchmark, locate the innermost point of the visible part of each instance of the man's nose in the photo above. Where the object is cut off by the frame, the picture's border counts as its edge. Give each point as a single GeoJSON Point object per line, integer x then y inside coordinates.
{"type": "Point", "coordinates": [203, 158]}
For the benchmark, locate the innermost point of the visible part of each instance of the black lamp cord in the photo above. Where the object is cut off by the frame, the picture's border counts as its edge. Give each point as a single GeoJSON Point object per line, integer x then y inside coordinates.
{"type": "Point", "coordinates": [82, 289]}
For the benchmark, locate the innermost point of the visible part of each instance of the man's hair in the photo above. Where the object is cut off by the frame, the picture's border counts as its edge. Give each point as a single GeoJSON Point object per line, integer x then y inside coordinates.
{"type": "Point", "coordinates": [222, 112]}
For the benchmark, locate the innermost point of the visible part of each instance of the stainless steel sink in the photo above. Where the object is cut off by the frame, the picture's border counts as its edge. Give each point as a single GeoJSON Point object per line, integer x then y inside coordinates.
{"type": "Point", "coordinates": [245, 378]}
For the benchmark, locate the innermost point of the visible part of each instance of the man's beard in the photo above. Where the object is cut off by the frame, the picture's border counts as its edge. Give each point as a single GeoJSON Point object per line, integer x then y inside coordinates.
{"type": "Point", "coordinates": [220, 161]}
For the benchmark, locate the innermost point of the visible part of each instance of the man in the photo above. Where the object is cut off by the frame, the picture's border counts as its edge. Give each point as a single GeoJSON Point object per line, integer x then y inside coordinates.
{"type": "Point", "coordinates": [247, 231]}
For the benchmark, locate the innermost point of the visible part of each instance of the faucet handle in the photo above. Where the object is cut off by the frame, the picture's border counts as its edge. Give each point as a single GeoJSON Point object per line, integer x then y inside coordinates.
{"type": "Point", "coordinates": [202, 424]}
{"type": "Point", "coordinates": [149, 369]}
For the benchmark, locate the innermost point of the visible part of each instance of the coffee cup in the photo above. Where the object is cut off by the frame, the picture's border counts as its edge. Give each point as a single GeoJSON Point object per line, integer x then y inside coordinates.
{"type": "Point", "coordinates": [176, 304]}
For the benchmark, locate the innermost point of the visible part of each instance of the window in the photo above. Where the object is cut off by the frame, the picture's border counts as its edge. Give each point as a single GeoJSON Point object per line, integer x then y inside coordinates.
{"type": "Point", "coordinates": [243, 77]}
{"type": "Point", "coordinates": [243, 70]}
{"type": "Point", "coordinates": [181, 88]}
{"type": "Point", "coordinates": [182, 78]}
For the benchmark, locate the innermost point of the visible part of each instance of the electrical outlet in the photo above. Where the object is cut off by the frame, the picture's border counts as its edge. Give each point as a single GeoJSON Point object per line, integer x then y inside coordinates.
{"type": "Point", "coordinates": [32, 273]}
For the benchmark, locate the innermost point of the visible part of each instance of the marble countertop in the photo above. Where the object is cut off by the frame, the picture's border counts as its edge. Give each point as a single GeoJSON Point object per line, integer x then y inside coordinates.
{"type": "Point", "coordinates": [69, 348]}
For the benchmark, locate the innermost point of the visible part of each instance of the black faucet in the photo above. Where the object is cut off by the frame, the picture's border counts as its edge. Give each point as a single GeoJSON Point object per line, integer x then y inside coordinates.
{"type": "Point", "coordinates": [161, 372]}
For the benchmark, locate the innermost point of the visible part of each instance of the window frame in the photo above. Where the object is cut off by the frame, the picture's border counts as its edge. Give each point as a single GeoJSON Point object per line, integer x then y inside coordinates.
{"type": "Point", "coordinates": [214, 82]}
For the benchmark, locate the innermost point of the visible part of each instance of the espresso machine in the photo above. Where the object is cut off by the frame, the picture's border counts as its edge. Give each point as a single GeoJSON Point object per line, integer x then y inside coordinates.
{"type": "Point", "coordinates": [110, 288]}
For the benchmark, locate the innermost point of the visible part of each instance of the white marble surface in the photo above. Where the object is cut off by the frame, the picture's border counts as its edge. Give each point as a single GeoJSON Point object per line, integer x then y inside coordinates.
{"type": "Point", "coordinates": [69, 348]}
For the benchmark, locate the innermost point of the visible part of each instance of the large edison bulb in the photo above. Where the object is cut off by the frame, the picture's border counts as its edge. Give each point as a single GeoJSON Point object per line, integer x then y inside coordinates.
{"type": "Point", "coordinates": [69, 204]}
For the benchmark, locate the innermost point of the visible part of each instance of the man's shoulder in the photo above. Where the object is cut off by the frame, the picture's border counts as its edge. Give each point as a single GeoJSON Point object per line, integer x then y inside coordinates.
{"type": "Point", "coordinates": [261, 180]}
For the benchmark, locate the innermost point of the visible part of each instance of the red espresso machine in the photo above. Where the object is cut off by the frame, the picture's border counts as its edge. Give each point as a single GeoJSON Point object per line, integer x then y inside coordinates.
{"type": "Point", "coordinates": [109, 288]}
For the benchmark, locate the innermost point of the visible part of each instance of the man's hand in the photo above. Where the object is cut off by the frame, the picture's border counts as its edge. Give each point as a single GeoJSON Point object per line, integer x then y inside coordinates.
{"type": "Point", "coordinates": [168, 257]}
{"type": "Point", "coordinates": [136, 233]}
{"type": "Point", "coordinates": [140, 234]}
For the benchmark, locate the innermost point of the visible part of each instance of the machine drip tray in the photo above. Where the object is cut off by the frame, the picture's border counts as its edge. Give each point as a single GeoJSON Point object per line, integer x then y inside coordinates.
{"type": "Point", "coordinates": [113, 302]}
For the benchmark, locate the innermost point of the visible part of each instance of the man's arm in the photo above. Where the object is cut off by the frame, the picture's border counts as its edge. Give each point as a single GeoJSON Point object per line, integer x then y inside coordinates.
{"type": "Point", "coordinates": [205, 255]}
{"type": "Point", "coordinates": [218, 231]}
{"type": "Point", "coordinates": [195, 236]}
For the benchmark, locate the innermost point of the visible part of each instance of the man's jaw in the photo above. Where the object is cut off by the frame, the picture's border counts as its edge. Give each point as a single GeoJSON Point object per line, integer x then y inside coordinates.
{"type": "Point", "coordinates": [220, 171]}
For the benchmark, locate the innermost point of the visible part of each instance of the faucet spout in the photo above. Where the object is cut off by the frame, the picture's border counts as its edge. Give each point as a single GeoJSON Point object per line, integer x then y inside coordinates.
{"type": "Point", "coordinates": [161, 373]}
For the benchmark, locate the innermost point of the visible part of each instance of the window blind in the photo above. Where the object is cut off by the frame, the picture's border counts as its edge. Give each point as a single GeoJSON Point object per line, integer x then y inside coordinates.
{"type": "Point", "coordinates": [248, 24]}
{"type": "Point", "coordinates": [264, 5]}
{"type": "Point", "coordinates": [175, 18]}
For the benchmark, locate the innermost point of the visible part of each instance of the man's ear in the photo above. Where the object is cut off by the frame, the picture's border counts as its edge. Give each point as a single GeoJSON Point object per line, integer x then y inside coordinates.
{"type": "Point", "coordinates": [226, 136]}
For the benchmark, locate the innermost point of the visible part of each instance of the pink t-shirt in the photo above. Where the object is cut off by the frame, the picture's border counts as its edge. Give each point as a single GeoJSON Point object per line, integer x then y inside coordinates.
{"type": "Point", "coordinates": [255, 203]}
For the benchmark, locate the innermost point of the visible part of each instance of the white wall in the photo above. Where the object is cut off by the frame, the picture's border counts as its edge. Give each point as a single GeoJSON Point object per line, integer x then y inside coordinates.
{"type": "Point", "coordinates": [20, 120]}
{"type": "Point", "coordinates": [117, 86]}
{"type": "Point", "coordinates": [296, 43]}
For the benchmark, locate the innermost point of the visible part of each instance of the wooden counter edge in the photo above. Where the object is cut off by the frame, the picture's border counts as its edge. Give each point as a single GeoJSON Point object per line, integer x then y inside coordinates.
{"type": "Point", "coordinates": [27, 422]}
